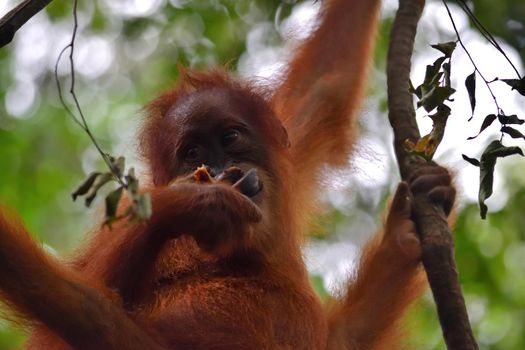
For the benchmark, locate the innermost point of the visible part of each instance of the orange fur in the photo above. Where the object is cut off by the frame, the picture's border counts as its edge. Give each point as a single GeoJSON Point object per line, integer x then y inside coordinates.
{"type": "Point", "coordinates": [192, 278]}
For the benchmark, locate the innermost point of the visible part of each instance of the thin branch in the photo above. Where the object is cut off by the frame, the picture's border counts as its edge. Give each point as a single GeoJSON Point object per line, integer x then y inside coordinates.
{"type": "Point", "coordinates": [17, 17]}
{"type": "Point", "coordinates": [59, 87]}
{"type": "Point", "coordinates": [470, 57]}
{"type": "Point", "coordinates": [486, 34]}
{"type": "Point", "coordinates": [140, 208]}
{"type": "Point", "coordinates": [82, 122]}
{"type": "Point", "coordinates": [490, 38]}
{"type": "Point", "coordinates": [436, 238]}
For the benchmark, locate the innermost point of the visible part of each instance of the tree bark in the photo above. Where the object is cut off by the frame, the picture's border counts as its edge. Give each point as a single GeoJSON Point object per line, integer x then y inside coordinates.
{"type": "Point", "coordinates": [17, 17]}
{"type": "Point", "coordinates": [431, 222]}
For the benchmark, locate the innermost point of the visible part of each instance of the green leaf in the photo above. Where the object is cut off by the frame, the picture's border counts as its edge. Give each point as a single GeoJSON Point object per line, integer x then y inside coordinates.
{"type": "Point", "coordinates": [470, 84]}
{"type": "Point", "coordinates": [85, 186]}
{"type": "Point", "coordinates": [439, 120]}
{"type": "Point", "coordinates": [100, 181]}
{"type": "Point", "coordinates": [472, 161]}
{"type": "Point", "coordinates": [112, 201]}
{"type": "Point", "coordinates": [435, 97]}
{"type": "Point", "coordinates": [133, 183]}
{"type": "Point", "coordinates": [446, 72]}
{"type": "Point", "coordinates": [486, 180]}
{"type": "Point", "coordinates": [486, 123]}
{"type": "Point", "coordinates": [496, 149]}
{"type": "Point", "coordinates": [516, 84]}
{"type": "Point", "coordinates": [510, 119]}
{"type": "Point", "coordinates": [489, 157]}
{"type": "Point", "coordinates": [446, 48]}
{"type": "Point", "coordinates": [419, 91]}
{"type": "Point", "coordinates": [515, 134]}
{"type": "Point", "coordinates": [432, 73]}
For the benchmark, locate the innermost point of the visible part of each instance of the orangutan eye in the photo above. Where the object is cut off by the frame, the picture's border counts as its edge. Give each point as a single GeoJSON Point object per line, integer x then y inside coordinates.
{"type": "Point", "coordinates": [230, 137]}
{"type": "Point", "coordinates": [192, 153]}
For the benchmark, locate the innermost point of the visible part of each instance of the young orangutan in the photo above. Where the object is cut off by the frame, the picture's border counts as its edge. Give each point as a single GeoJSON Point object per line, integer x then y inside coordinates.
{"type": "Point", "coordinates": [235, 177]}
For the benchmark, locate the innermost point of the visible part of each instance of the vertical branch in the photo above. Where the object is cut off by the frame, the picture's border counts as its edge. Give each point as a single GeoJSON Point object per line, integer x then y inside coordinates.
{"type": "Point", "coordinates": [401, 113]}
{"type": "Point", "coordinates": [436, 236]}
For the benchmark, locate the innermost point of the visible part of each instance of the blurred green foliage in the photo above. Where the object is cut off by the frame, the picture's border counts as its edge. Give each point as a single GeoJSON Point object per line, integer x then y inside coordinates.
{"type": "Point", "coordinates": [44, 155]}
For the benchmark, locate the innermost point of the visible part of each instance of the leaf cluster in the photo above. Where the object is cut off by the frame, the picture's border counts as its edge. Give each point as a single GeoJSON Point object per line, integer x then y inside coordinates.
{"type": "Point", "coordinates": [495, 149]}
{"type": "Point", "coordinates": [432, 95]}
{"type": "Point", "coordinates": [140, 208]}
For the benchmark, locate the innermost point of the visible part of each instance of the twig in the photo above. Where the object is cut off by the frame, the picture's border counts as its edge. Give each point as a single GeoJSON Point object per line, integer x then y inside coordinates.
{"type": "Point", "coordinates": [470, 57]}
{"type": "Point", "coordinates": [17, 17]}
{"type": "Point", "coordinates": [436, 237]}
{"type": "Point", "coordinates": [486, 34]}
{"type": "Point", "coordinates": [82, 121]}
{"type": "Point", "coordinates": [140, 208]}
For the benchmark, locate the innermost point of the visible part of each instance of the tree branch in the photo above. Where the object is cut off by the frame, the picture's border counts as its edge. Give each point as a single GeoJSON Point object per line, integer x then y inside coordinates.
{"type": "Point", "coordinates": [436, 237]}
{"type": "Point", "coordinates": [17, 17]}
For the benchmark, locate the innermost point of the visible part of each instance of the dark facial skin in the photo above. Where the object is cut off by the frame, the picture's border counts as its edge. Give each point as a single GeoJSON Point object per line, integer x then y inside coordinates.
{"type": "Point", "coordinates": [214, 128]}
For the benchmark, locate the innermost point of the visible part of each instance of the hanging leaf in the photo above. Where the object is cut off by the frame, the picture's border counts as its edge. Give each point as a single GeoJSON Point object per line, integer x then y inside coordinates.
{"type": "Point", "coordinates": [431, 81]}
{"type": "Point", "coordinates": [439, 120]}
{"type": "Point", "coordinates": [432, 73]}
{"type": "Point", "coordinates": [488, 160]}
{"type": "Point", "coordinates": [100, 181]}
{"type": "Point", "coordinates": [446, 72]}
{"type": "Point", "coordinates": [472, 161]}
{"type": "Point", "coordinates": [515, 134]}
{"type": "Point", "coordinates": [496, 149]}
{"type": "Point", "coordinates": [140, 205]}
{"type": "Point", "coordinates": [436, 89]}
{"type": "Point", "coordinates": [435, 97]}
{"type": "Point", "coordinates": [470, 84]}
{"type": "Point", "coordinates": [133, 182]}
{"type": "Point", "coordinates": [516, 84]}
{"type": "Point", "coordinates": [446, 48]}
{"type": "Point", "coordinates": [486, 123]}
{"type": "Point", "coordinates": [424, 147]}
{"type": "Point", "coordinates": [85, 186]}
{"type": "Point", "coordinates": [419, 91]}
{"type": "Point", "coordinates": [112, 200]}
{"type": "Point", "coordinates": [486, 180]}
{"type": "Point", "coordinates": [427, 145]}
{"type": "Point", "coordinates": [510, 119]}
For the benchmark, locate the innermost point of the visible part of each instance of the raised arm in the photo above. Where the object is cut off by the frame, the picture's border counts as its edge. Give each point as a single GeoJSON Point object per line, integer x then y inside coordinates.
{"type": "Point", "coordinates": [325, 84]}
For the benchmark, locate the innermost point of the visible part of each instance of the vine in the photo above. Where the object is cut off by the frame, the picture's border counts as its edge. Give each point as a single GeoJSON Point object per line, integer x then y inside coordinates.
{"type": "Point", "coordinates": [140, 208]}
